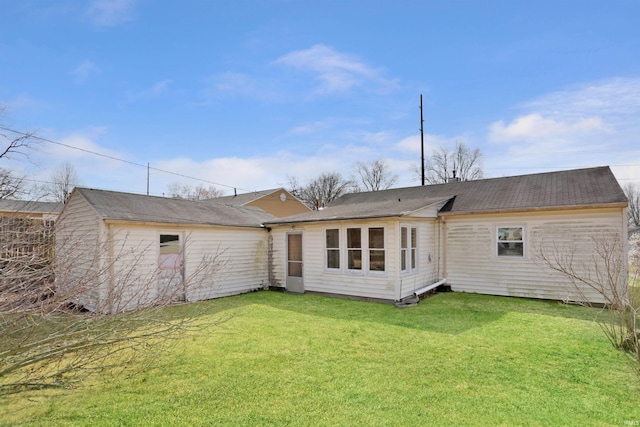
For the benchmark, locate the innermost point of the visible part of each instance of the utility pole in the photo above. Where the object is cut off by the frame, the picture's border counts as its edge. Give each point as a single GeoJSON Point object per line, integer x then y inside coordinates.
{"type": "Point", "coordinates": [421, 140]}
{"type": "Point", "coordinates": [148, 178]}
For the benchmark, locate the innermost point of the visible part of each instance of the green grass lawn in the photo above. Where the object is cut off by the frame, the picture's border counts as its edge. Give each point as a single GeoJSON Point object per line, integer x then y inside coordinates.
{"type": "Point", "coordinates": [307, 360]}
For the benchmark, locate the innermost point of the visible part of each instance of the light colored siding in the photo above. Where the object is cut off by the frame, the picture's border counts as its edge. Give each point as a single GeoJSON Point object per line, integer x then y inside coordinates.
{"type": "Point", "coordinates": [473, 266]}
{"type": "Point", "coordinates": [427, 272]}
{"type": "Point", "coordinates": [217, 262]}
{"type": "Point", "coordinates": [79, 253]}
{"type": "Point", "coordinates": [392, 285]}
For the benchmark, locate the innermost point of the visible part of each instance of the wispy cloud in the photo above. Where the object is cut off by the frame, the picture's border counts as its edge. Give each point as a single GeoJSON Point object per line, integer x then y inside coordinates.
{"type": "Point", "coordinates": [107, 13]}
{"type": "Point", "coordinates": [336, 72]}
{"type": "Point", "coordinates": [20, 101]}
{"type": "Point", "coordinates": [586, 125]}
{"type": "Point", "coordinates": [85, 69]}
{"type": "Point", "coordinates": [157, 90]}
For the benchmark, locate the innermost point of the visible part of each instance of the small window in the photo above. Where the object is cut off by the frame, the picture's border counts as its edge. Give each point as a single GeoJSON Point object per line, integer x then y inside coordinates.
{"type": "Point", "coordinates": [354, 249]}
{"type": "Point", "coordinates": [170, 258]}
{"type": "Point", "coordinates": [376, 249]}
{"type": "Point", "coordinates": [414, 248]}
{"type": "Point", "coordinates": [510, 242]}
{"type": "Point", "coordinates": [333, 248]}
{"type": "Point", "coordinates": [404, 246]}
{"type": "Point", "coordinates": [408, 249]}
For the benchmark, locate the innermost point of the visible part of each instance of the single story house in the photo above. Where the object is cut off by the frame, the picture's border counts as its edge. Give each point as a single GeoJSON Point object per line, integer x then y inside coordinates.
{"type": "Point", "coordinates": [486, 236]}
{"type": "Point", "coordinates": [46, 211]}
{"type": "Point", "coordinates": [278, 202]}
{"type": "Point", "coordinates": [120, 251]}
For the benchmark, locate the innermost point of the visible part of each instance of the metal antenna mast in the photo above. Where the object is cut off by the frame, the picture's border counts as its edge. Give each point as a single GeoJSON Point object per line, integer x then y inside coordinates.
{"type": "Point", "coordinates": [421, 140]}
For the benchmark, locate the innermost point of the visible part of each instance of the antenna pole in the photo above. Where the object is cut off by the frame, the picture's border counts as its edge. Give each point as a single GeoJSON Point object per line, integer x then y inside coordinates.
{"type": "Point", "coordinates": [421, 140]}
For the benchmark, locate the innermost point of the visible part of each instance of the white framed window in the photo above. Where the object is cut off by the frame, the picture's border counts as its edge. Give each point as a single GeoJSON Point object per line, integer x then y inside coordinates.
{"type": "Point", "coordinates": [408, 249]}
{"type": "Point", "coordinates": [376, 249]}
{"type": "Point", "coordinates": [354, 249]}
{"type": "Point", "coordinates": [510, 242]}
{"type": "Point", "coordinates": [332, 248]}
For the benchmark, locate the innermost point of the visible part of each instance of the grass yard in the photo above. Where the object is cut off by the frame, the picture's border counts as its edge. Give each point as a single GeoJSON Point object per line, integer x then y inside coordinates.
{"type": "Point", "coordinates": [307, 360]}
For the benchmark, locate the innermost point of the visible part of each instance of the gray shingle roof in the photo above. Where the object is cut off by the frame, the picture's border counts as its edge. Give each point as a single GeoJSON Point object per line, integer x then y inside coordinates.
{"type": "Point", "coordinates": [243, 199]}
{"type": "Point", "coordinates": [117, 206]}
{"type": "Point", "coordinates": [28, 206]}
{"type": "Point", "coordinates": [552, 190]}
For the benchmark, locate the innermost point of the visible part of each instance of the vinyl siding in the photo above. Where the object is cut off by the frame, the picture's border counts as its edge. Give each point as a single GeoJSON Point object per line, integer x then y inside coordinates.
{"type": "Point", "coordinates": [216, 262]}
{"type": "Point", "coordinates": [472, 264]}
{"type": "Point", "coordinates": [80, 253]}
{"type": "Point", "coordinates": [390, 285]}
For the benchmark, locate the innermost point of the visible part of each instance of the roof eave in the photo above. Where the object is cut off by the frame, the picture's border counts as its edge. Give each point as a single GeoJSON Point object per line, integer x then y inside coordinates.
{"type": "Point", "coordinates": [537, 209]}
{"type": "Point", "coordinates": [176, 224]}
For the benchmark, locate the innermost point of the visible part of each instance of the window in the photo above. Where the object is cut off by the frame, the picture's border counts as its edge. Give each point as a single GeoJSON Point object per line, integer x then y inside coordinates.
{"type": "Point", "coordinates": [510, 241]}
{"type": "Point", "coordinates": [354, 249]}
{"type": "Point", "coordinates": [333, 248]}
{"type": "Point", "coordinates": [414, 248]}
{"type": "Point", "coordinates": [408, 249]}
{"type": "Point", "coordinates": [376, 249]}
{"type": "Point", "coordinates": [169, 258]}
{"type": "Point", "coordinates": [404, 243]}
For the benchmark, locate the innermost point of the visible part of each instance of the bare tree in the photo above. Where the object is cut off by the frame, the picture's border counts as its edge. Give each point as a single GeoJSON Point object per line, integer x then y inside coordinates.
{"type": "Point", "coordinates": [632, 192]}
{"type": "Point", "coordinates": [13, 144]}
{"type": "Point", "coordinates": [320, 191]}
{"type": "Point", "coordinates": [63, 181]}
{"type": "Point", "coordinates": [463, 164]}
{"type": "Point", "coordinates": [606, 274]}
{"type": "Point", "coordinates": [199, 192]}
{"type": "Point", "coordinates": [375, 175]}
{"type": "Point", "coordinates": [11, 186]}
{"type": "Point", "coordinates": [48, 339]}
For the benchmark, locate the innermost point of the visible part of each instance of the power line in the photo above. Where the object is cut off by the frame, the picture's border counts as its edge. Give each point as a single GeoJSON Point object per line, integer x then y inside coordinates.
{"type": "Point", "coordinates": [120, 160]}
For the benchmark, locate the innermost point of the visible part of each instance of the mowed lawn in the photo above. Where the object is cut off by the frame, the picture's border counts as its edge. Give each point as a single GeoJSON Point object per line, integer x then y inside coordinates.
{"type": "Point", "coordinates": [279, 359]}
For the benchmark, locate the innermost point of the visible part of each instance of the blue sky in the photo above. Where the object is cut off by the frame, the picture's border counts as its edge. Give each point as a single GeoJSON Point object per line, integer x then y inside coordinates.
{"type": "Point", "coordinates": [245, 93]}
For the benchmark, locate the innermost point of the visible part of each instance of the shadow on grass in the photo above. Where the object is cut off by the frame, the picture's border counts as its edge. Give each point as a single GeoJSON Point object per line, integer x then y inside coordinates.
{"type": "Point", "coordinates": [447, 313]}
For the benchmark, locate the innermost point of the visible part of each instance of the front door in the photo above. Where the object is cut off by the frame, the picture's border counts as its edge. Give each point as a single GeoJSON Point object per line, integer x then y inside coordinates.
{"type": "Point", "coordinates": [294, 281]}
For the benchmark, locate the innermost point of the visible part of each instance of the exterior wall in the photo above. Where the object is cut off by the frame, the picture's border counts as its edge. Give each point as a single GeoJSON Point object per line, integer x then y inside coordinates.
{"type": "Point", "coordinates": [216, 262]}
{"type": "Point", "coordinates": [388, 285]}
{"type": "Point", "coordinates": [276, 207]}
{"type": "Point", "coordinates": [80, 253]}
{"type": "Point", "coordinates": [472, 264]}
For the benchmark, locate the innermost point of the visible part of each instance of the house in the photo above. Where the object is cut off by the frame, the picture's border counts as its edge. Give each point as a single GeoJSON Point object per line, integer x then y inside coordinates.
{"type": "Point", "coordinates": [47, 211]}
{"type": "Point", "coordinates": [485, 236]}
{"type": "Point", "coordinates": [26, 232]}
{"type": "Point", "coordinates": [278, 202]}
{"type": "Point", "coordinates": [121, 251]}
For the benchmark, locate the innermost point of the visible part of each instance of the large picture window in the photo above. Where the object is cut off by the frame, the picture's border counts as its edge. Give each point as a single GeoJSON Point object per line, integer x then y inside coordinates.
{"type": "Point", "coordinates": [333, 248]}
{"type": "Point", "coordinates": [510, 242]}
{"type": "Point", "coordinates": [354, 249]}
{"type": "Point", "coordinates": [376, 249]}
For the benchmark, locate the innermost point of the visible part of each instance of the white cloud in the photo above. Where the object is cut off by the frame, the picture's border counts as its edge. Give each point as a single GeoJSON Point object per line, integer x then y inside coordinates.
{"type": "Point", "coordinates": [107, 13]}
{"type": "Point", "coordinates": [20, 101]}
{"type": "Point", "coordinates": [85, 69]}
{"type": "Point", "coordinates": [156, 90]}
{"type": "Point", "coordinates": [535, 127]}
{"type": "Point", "coordinates": [335, 72]}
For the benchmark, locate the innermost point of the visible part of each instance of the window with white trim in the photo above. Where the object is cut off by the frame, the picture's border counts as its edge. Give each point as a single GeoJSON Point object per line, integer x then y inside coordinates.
{"type": "Point", "coordinates": [510, 242]}
{"type": "Point", "coordinates": [332, 242]}
{"type": "Point", "coordinates": [376, 249]}
{"type": "Point", "coordinates": [408, 249]}
{"type": "Point", "coordinates": [354, 249]}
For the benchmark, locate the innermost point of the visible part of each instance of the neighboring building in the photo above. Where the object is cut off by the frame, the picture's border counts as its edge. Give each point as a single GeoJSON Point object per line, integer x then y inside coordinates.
{"type": "Point", "coordinates": [278, 202]}
{"type": "Point", "coordinates": [47, 211]}
{"type": "Point", "coordinates": [121, 251]}
{"type": "Point", "coordinates": [481, 236]}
